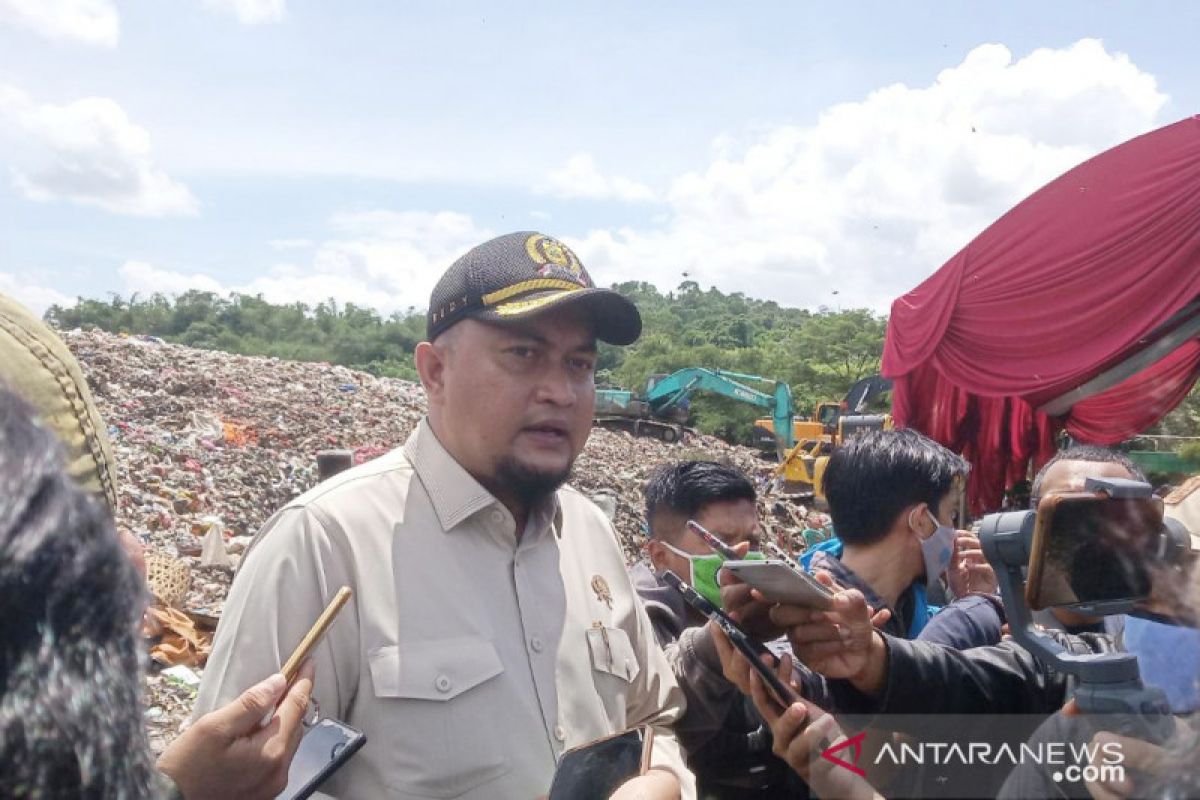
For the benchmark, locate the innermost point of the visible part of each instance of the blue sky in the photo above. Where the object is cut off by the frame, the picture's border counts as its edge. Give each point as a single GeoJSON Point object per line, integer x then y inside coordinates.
{"type": "Point", "coordinates": [353, 149]}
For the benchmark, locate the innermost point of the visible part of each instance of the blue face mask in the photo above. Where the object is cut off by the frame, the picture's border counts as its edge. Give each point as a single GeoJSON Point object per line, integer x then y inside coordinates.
{"type": "Point", "coordinates": [1169, 658]}
{"type": "Point", "coordinates": [936, 550]}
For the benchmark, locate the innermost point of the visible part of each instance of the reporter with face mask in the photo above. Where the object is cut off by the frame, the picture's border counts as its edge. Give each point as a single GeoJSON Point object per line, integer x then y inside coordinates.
{"type": "Point", "coordinates": [892, 496]}
{"type": "Point", "coordinates": [728, 743]}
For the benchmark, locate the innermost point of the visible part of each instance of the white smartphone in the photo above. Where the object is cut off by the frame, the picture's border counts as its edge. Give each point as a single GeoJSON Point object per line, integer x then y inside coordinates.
{"type": "Point", "coordinates": [779, 583]}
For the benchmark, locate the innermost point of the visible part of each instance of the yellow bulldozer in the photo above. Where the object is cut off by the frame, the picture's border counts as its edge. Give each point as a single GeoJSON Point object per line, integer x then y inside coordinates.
{"type": "Point", "coordinates": [801, 470]}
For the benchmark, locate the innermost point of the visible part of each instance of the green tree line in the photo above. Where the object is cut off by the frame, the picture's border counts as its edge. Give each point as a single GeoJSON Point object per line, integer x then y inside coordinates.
{"type": "Point", "coordinates": [818, 353]}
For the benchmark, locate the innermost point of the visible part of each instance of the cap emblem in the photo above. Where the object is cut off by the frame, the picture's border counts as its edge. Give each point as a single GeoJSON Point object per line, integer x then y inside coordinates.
{"type": "Point", "coordinates": [553, 257]}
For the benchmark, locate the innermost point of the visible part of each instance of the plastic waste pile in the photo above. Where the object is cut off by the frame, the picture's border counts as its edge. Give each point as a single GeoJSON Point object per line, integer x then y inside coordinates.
{"type": "Point", "coordinates": [210, 444]}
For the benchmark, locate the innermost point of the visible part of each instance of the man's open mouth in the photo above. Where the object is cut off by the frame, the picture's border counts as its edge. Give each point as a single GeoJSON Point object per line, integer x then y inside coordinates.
{"type": "Point", "coordinates": [548, 430]}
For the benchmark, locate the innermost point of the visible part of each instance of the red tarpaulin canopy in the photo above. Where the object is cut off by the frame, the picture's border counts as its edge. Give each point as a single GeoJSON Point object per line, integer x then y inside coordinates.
{"type": "Point", "coordinates": [1067, 284]}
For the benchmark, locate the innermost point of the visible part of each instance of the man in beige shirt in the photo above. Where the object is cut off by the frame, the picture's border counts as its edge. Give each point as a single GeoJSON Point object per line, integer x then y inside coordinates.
{"type": "Point", "coordinates": [493, 624]}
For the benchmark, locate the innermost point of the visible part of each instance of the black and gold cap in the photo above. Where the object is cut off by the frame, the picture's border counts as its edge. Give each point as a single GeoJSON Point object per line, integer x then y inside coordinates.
{"type": "Point", "coordinates": [519, 275]}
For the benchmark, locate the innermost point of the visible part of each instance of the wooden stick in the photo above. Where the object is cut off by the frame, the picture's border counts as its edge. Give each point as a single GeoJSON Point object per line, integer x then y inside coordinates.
{"type": "Point", "coordinates": [315, 633]}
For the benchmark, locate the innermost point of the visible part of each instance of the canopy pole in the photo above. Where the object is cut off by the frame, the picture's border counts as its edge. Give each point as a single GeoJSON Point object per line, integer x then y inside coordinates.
{"type": "Point", "coordinates": [1151, 354]}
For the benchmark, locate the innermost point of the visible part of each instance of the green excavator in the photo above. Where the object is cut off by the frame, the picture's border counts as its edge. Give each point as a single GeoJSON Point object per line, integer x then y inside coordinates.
{"type": "Point", "coordinates": [662, 410]}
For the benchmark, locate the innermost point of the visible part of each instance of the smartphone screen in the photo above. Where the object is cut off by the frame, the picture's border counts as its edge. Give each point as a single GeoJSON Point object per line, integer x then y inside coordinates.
{"type": "Point", "coordinates": [1093, 549]}
{"type": "Point", "coordinates": [779, 583]}
{"type": "Point", "coordinates": [749, 648]}
{"type": "Point", "coordinates": [325, 747]}
{"type": "Point", "coordinates": [595, 770]}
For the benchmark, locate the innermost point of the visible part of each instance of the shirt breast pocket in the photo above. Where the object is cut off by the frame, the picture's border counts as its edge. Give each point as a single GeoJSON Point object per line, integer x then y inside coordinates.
{"type": "Point", "coordinates": [439, 698]}
{"type": "Point", "coordinates": [612, 653]}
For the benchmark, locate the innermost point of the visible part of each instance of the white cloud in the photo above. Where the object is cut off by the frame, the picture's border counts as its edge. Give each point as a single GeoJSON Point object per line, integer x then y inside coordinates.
{"type": "Point", "coordinates": [146, 279]}
{"type": "Point", "coordinates": [386, 260]}
{"type": "Point", "coordinates": [88, 21]}
{"type": "Point", "coordinates": [580, 177]}
{"type": "Point", "coordinates": [868, 200]}
{"type": "Point", "coordinates": [35, 298]}
{"type": "Point", "coordinates": [89, 152]}
{"type": "Point", "coordinates": [878, 193]}
{"type": "Point", "coordinates": [252, 12]}
{"type": "Point", "coordinates": [291, 244]}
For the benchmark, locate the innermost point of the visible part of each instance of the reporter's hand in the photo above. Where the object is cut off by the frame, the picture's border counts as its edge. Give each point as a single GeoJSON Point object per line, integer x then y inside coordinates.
{"type": "Point", "coordinates": [227, 754]}
{"type": "Point", "coordinates": [735, 667]}
{"type": "Point", "coordinates": [747, 607]}
{"type": "Point", "coordinates": [656, 784]}
{"type": "Point", "coordinates": [840, 642]}
{"type": "Point", "coordinates": [801, 733]}
{"type": "Point", "coordinates": [1139, 756]}
{"type": "Point", "coordinates": [969, 571]}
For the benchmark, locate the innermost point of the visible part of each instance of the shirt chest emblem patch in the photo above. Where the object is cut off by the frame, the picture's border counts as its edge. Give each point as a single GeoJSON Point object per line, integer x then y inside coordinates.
{"type": "Point", "coordinates": [600, 587]}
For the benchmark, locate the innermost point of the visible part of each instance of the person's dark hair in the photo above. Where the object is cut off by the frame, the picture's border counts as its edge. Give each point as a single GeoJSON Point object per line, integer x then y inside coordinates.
{"type": "Point", "coordinates": [873, 477]}
{"type": "Point", "coordinates": [70, 674]}
{"type": "Point", "coordinates": [1084, 452]}
{"type": "Point", "coordinates": [686, 486]}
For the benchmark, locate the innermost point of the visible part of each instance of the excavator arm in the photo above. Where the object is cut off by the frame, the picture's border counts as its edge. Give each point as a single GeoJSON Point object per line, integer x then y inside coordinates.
{"type": "Point", "coordinates": [669, 392]}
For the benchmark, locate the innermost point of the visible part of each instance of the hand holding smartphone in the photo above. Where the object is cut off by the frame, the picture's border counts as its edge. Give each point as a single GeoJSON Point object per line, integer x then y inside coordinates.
{"type": "Point", "coordinates": [751, 649]}
{"type": "Point", "coordinates": [327, 744]}
{"type": "Point", "coordinates": [779, 583]}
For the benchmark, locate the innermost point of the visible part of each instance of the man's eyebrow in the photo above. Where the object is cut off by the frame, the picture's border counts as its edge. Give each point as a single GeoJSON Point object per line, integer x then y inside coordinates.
{"type": "Point", "coordinates": [527, 336]}
{"type": "Point", "coordinates": [537, 338]}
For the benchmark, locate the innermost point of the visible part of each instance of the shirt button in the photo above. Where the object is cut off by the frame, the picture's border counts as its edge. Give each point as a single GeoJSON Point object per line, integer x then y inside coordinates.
{"type": "Point", "coordinates": [497, 515]}
{"type": "Point", "coordinates": [560, 733]}
{"type": "Point", "coordinates": [443, 684]}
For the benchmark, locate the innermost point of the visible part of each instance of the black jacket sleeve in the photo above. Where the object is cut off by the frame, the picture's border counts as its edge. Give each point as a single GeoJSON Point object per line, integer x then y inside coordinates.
{"type": "Point", "coordinates": [929, 678]}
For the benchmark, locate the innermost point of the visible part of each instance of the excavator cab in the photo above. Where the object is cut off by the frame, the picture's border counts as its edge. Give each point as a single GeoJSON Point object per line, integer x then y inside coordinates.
{"type": "Point", "coordinates": [828, 415]}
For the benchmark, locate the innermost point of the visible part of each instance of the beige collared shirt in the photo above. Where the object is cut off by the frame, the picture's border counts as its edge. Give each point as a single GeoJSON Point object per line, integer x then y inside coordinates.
{"type": "Point", "coordinates": [470, 659]}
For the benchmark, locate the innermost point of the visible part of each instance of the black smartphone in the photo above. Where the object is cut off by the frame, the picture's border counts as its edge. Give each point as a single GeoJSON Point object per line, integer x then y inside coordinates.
{"type": "Point", "coordinates": [595, 770]}
{"type": "Point", "coordinates": [751, 649]}
{"type": "Point", "coordinates": [325, 747]}
{"type": "Point", "coordinates": [1090, 548]}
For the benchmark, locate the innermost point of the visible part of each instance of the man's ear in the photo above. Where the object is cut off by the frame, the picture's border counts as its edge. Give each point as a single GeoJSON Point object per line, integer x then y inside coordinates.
{"type": "Point", "coordinates": [430, 361]}
{"type": "Point", "coordinates": [912, 517]}
{"type": "Point", "coordinates": [658, 555]}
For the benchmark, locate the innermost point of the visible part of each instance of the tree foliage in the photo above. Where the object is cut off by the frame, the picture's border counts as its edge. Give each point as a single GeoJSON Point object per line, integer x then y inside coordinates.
{"type": "Point", "coordinates": [340, 334]}
{"type": "Point", "coordinates": [820, 354]}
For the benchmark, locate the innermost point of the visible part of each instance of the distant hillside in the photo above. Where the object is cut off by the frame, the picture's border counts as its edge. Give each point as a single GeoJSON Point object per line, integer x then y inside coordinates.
{"type": "Point", "coordinates": [818, 353]}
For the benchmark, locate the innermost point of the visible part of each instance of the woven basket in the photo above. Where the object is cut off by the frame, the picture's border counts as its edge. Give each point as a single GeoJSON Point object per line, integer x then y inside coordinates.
{"type": "Point", "coordinates": [169, 579]}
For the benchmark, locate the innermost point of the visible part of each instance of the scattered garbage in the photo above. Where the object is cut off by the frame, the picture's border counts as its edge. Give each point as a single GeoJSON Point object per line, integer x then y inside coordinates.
{"type": "Point", "coordinates": [182, 675]}
{"type": "Point", "coordinates": [212, 551]}
{"type": "Point", "coordinates": [209, 445]}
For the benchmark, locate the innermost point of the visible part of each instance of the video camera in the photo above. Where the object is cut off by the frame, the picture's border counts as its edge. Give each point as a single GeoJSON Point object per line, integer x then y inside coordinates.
{"type": "Point", "coordinates": [1095, 552]}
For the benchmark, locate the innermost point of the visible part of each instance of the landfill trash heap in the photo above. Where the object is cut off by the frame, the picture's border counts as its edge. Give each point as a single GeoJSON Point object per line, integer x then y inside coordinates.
{"type": "Point", "coordinates": [209, 444]}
